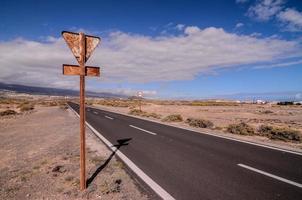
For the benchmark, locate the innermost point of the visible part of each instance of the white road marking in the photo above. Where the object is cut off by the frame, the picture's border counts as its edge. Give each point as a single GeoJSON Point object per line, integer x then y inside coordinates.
{"type": "Point", "coordinates": [95, 112]}
{"type": "Point", "coordinates": [271, 175]}
{"type": "Point", "coordinates": [108, 117]}
{"type": "Point", "coordinates": [152, 184]}
{"type": "Point", "coordinates": [143, 130]}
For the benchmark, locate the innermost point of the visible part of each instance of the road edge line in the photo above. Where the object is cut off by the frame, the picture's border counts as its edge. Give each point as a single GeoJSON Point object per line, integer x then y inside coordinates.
{"type": "Point", "coordinates": [284, 180]}
{"type": "Point", "coordinates": [152, 184]}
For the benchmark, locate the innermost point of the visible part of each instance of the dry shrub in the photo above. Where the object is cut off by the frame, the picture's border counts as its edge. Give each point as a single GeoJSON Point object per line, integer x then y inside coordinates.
{"type": "Point", "coordinates": [8, 112]}
{"type": "Point", "coordinates": [213, 103]}
{"type": "Point", "coordinates": [4, 100]}
{"type": "Point", "coordinates": [88, 102]}
{"type": "Point", "coordinates": [173, 118]}
{"type": "Point", "coordinates": [135, 112]}
{"type": "Point", "coordinates": [241, 129]}
{"type": "Point", "coordinates": [116, 103]}
{"type": "Point", "coordinates": [266, 112]}
{"type": "Point", "coordinates": [50, 103]}
{"type": "Point", "coordinates": [144, 114]}
{"type": "Point", "coordinates": [26, 107]}
{"type": "Point", "coordinates": [154, 115]}
{"type": "Point", "coordinates": [200, 123]}
{"type": "Point", "coordinates": [64, 107]}
{"type": "Point", "coordinates": [285, 134]}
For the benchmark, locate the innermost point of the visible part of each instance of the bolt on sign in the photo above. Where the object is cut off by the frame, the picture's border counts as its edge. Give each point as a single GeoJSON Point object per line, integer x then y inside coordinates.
{"type": "Point", "coordinates": [81, 46]}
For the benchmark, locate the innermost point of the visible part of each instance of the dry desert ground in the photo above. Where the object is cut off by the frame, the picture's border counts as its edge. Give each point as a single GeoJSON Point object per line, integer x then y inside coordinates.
{"type": "Point", "coordinates": [39, 159]}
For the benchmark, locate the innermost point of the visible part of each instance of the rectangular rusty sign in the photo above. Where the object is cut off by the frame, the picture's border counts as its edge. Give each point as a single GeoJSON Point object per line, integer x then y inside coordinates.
{"type": "Point", "coordinates": [76, 70]}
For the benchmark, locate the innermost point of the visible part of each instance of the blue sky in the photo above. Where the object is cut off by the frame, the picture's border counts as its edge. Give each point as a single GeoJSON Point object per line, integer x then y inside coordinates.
{"type": "Point", "coordinates": [168, 49]}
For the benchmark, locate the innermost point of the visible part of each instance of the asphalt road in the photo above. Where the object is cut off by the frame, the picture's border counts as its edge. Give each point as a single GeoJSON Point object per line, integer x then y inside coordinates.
{"type": "Point", "coordinates": [190, 165]}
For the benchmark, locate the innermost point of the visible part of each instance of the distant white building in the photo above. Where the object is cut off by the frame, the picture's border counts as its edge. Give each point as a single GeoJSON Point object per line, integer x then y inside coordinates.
{"type": "Point", "coordinates": [260, 102]}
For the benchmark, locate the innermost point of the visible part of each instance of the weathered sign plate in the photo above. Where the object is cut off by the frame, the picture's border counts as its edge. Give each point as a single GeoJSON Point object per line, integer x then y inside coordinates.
{"type": "Point", "coordinates": [76, 70]}
{"type": "Point", "coordinates": [72, 39]}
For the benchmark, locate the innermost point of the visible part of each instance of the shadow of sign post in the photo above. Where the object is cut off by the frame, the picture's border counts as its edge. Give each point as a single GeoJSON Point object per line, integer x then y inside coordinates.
{"type": "Point", "coordinates": [120, 143]}
{"type": "Point", "coordinates": [81, 46]}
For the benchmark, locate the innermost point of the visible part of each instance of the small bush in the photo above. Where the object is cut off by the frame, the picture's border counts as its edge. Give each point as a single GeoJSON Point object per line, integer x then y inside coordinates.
{"type": "Point", "coordinates": [285, 103]}
{"type": "Point", "coordinates": [69, 178]}
{"type": "Point", "coordinates": [64, 107]}
{"type": "Point", "coordinates": [241, 129]}
{"type": "Point", "coordinates": [135, 112]}
{"type": "Point", "coordinates": [173, 118]}
{"type": "Point", "coordinates": [275, 133]}
{"type": "Point", "coordinates": [116, 103]}
{"type": "Point", "coordinates": [200, 123]}
{"type": "Point", "coordinates": [8, 112]}
{"type": "Point", "coordinates": [212, 103]}
{"type": "Point", "coordinates": [50, 103]}
{"type": "Point", "coordinates": [53, 103]}
{"type": "Point", "coordinates": [266, 112]}
{"type": "Point", "coordinates": [154, 115]}
{"type": "Point", "coordinates": [144, 114]}
{"type": "Point", "coordinates": [26, 107]}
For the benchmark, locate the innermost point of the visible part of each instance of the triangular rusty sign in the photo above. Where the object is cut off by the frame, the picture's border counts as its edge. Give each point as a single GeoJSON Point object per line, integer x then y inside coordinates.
{"type": "Point", "coordinates": [73, 41]}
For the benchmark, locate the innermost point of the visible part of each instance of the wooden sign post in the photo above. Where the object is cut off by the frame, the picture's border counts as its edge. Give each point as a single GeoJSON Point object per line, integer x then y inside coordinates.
{"type": "Point", "coordinates": [82, 47]}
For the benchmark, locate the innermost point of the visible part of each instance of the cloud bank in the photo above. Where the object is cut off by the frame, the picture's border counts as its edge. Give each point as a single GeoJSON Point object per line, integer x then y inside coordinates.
{"type": "Point", "coordinates": [134, 58]}
{"type": "Point", "coordinates": [292, 19]}
{"type": "Point", "coordinates": [264, 10]}
{"type": "Point", "coordinates": [289, 19]}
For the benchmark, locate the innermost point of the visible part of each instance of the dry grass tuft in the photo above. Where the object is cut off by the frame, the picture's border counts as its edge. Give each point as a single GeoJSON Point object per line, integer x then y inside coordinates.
{"type": "Point", "coordinates": [200, 123]}
{"type": "Point", "coordinates": [50, 103]}
{"type": "Point", "coordinates": [241, 129]}
{"type": "Point", "coordinates": [26, 107]}
{"type": "Point", "coordinates": [284, 134]}
{"type": "Point", "coordinates": [213, 103]}
{"type": "Point", "coordinates": [266, 112]}
{"type": "Point", "coordinates": [173, 118]}
{"type": "Point", "coordinates": [144, 114]}
{"type": "Point", "coordinates": [116, 103]}
{"type": "Point", "coordinates": [8, 112]}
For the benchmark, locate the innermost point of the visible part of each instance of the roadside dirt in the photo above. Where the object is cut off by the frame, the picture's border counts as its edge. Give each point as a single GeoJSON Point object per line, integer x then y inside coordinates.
{"type": "Point", "coordinates": [39, 159]}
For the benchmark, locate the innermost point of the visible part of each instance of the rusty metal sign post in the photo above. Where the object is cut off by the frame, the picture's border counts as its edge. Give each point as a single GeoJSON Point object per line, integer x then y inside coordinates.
{"type": "Point", "coordinates": [82, 47]}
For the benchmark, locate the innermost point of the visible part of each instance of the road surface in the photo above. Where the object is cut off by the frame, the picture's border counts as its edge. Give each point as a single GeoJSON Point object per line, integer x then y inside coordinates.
{"type": "Point", "coordinates": [190, 165]}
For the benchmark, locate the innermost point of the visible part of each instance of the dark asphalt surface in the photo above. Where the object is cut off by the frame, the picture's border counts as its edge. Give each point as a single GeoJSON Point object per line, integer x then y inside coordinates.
{"type": "Point", "coordinates": [190, 165]}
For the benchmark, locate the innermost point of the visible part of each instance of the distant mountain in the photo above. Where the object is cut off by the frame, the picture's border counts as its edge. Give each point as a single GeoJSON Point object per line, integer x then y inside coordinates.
{"type": "Point", "coordinates": [54, 91]}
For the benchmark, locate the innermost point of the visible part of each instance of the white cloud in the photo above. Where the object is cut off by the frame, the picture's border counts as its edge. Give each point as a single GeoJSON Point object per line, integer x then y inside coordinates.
{"type": "Point", "coordinates": [298, 96]}
{"type": "Point", "coordinates": [255, 34]}
{"type": "Point", "coordinates": [130, 91]}
{"type": "Point", "coordinates": [190, 30]}
{"type": "Point", "coordinates": [292, 19]}
{"type": "Point", "coordinates": [238, 25]}
{"type": "Point", "coordinates": [180, 27]}
{"type": "Point", "coordinates": [283, 64]}
{"type": "Point", "coordinates": [264, 10]}
{"type": "Point", "coordinates": [136, 58]}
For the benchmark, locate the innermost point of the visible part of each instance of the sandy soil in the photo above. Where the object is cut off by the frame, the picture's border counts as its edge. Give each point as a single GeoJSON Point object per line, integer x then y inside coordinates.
{"type": "Point", "coordinates": [253, 114]}
{"type": "Point", "coordinates": [39, 159]}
